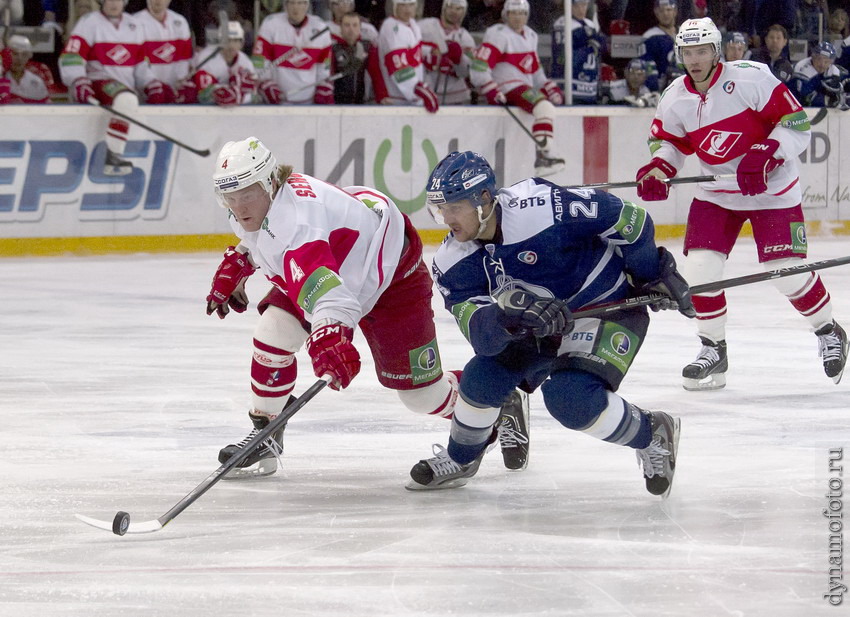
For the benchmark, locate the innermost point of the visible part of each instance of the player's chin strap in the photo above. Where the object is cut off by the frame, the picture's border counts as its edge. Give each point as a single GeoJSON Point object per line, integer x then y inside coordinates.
{"type": "Point", "coordinates": [482, 222]}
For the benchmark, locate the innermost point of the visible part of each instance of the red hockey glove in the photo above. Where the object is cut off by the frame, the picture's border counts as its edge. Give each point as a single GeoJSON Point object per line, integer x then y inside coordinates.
{"type": "Point", "coordinates": [552, 92]}
{"type": "Point", "coordinates": [228, 285]}
{"type": "Point", "coordinates": [83, 89]}
{"type": "Point", "coordinates": [225, 96]}
{"type": "Point", "coordinates": [324, 94]}
{"type": "Point", "coordinates": [428, 97]}
{"type": "Point", "coordinates": [755, 165]}
{"type": "Point", "coordinates": [158, 93]}
{"type": "Point", "coordinates": [272, 93]}
{"type": "Point", "coordinates": [244, 82]}
{"type": "Point", "coordinates": [6, 59]}
{"type": "Point", "coordinates": [333, 354]}
{"type": "Point", "coordinates": [454, 53]}
{"type": "Point", "coordinates": [187, 93]}
{"type": "Point", "coordinates": [493, 94]}
{"type": "Point", "coordinates": [5, 91]}
{"type": "Point", "coordinates": [650, 187]}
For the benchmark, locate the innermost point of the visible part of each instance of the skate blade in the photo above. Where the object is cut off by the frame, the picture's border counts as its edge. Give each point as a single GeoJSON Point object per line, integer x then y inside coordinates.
{"type": "Point", "coordinates": [260, 469]}
{"type": "Point", "coordinates": [677, 423]}
{"type": "Point", "coordinates": [712, 382]}
{"type": "Point", "coordinates": [413, 485]}
{"type": "Point", "coordinates": [543, 172]}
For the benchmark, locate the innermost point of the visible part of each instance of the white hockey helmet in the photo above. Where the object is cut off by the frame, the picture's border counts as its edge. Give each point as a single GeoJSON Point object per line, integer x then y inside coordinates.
{"type": "Point", "coordinates": [515, 6]}
{"type": "Point", "coordinates": [241, 164]}
{"type": "Point", "coordinates": [396, 2]}
{"type": "Point", "coordinates": [20, 43]}
{"type": "Point", "coordinates": [235, 31]}
{"type": "Point", "coordinates": [697, 32]}
{"type": "Point", "coordinates": [459, 3]}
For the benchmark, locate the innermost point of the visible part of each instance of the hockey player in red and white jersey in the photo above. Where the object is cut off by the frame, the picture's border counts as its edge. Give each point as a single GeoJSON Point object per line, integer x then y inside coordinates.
{"type": "Point", "coordinates": [292, 56]}
{"type": "Point", "coordinates": [337, 259]}
{"type": "Point", "coordinates": [507, 71]}
{"type": "Point", "coordinates": [20, 84]}
{"type": "Point", "coordinates": [168, 48]}
{"type": "Point", "coordinates": [741, 120]}
{"type": "Point", "coordinates": [400, 58]}
{"type": "Point", "coordinates": [368, 32]}
{"type": "Point", "coordinates": [104, 60]}
{"type": "Point", "coordinates": [224, 77]}
{"type": "Point", "coordinates": [447, 50]}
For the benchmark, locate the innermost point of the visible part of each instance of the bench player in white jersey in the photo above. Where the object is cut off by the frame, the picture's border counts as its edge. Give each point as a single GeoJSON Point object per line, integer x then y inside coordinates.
{"type": "Point", "coordinates": [104, 59]}
{"type": "Point", "coordinates": [738, 119]}
{"type": "Point", "coordinates": [292, 65]}
{"type": "Point", "coordinates": [23, 85]}
{"type": "Point", "coordinates": [337, 259]}
{"type": "Point", "coordinates": [447, 50]}
{"type": "Point", "coordinates": [167, 46]}
{"type": "Point", "coordinates": [402, 73]}
{"type": "Point", "coordinates": [225, 78]}
{"type": "Point", "coordinates": [507, 70]}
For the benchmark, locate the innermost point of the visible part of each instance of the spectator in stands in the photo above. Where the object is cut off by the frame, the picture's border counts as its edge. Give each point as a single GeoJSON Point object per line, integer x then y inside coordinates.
{"type": "Point", "coordinates": [817, 82]}
{"type": "Point", "coordinates": [15, 11]}
{"type": "Point", "coordinates": [588, 46]}
{"type": "Point", "coordinates": [103, 61]}
{"type": "Point", "coordinates": [340, 8]}
{"type": "Point", "coordinates": [735, 47]}
{"type": "Point", "coordinates": [837, 26]}
{"type": "Point", "coordinates": [168, 49]}
{"type": "Point", "coordinates": [658, 41]}
{"type": "Point", "coordinates": [632, 90]}
{"type": "Point", "coordinates": [483, 13]}
{"type": "Point", "coordinates": [774, 53]}
{"type": "Point", "coordinates": [221, 74]}
{"type": "Point", "coordinates": [756, 16]}
{"type": "Point", "coordinates": [447, 50]}
{"type": "Point", "coordinates": [507, 71]}
{"type": "Point", "coordinates": [349, 55]}
{"type": "Point", "coordinates": [402, 74]}
{"type": "Point", "coordinates": [811, 20]}
{"type": "Point", "coordinates": [292, 56]}
{"type": "Point", "coordinates": [17, 83]}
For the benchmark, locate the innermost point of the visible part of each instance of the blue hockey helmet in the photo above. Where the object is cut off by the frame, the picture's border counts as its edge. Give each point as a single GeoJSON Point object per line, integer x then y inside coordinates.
{"type": "Point", "coordinates": [826, 49]}
{"type": "Point", "coordinates": [461, 175]}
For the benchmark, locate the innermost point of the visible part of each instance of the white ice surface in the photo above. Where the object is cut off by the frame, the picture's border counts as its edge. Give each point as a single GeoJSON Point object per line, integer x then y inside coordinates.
{"type": "Point", "coordinates": [117, 391]}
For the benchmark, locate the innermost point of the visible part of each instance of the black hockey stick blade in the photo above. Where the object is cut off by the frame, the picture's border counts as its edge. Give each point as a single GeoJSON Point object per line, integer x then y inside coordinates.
{"type": "Point", "coordinates": [212, 479]}
{"type": "Point", "coordinates": [818, 117]}
{"type": "Point", "coordinates": [93, 101]}
{"type": "Point", "coordinates": [609, 307]}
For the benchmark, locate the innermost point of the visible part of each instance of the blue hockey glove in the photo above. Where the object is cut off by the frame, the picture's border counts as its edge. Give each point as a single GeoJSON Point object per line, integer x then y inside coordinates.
{"type": "Point", "coordinates": [541, 317]}
{"type": "Point", "coordinates": [672, 285]}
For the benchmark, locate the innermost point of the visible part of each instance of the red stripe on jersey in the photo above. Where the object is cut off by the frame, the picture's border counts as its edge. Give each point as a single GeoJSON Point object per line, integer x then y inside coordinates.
{"type": "Point", "coordinates": [730, 137]}
{"type": "Point", "coordinates": [680, 143]}
{"type": "Point", "coordinates": [166, 52]}
{"type": "Point", "coordinates": [781, 103]}
{"type": "Point", "coordinates": [77, 45]}
{"type": "Point", "coordinates": [526, 61]}
{"type": "Point", "coordinates": [341, 242]}
{"type": "Point", "coordinates": [302, 59]}
{"type": "Point", "coordinates": [117, 54]}
{"type": "Point", "coordinates": [489, 54]}
{"type": "Point", "coordinates": [399, 59]}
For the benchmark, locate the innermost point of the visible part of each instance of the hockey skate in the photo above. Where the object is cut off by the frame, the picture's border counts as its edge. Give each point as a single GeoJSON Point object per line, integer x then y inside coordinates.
{"type": "Point", "coordinates": [512, 427]}
{"type": "Point", "coordinates": [263, 460]}
{"type": "Point", "coordinates": [832, 348]}
{"type": "Point", "coordinates": [708, 371]}
{"type": "Point", "coordinates": [547, 163]}
{"type": "Point", "coordinates": [440, 471]}
{"type": "Point", "coordinates": [658, 460]}
{"type": "Point", "coordinates": [114, 165]}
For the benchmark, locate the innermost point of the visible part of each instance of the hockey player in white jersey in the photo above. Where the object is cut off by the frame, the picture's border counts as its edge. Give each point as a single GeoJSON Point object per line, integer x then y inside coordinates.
{"type": "Point", "coordinates": [337, 259]}
{"type": "Point", "coordinates": [447, 50]}
{"type": "Point", "coordinates": [226, 78]}
{"type": "Point", "coordinates": [507, 71]}
{"type": "Point", "coordinates": [292, 56]}
{"type": "Point", "coordinates": [400, 57]}
{"type": "Point", "coordinates": [167, 46]}
{"type": "Point", "coordinates": [516, 264]}
{"type": "Point", "coordinates": [104, 60]}
{"type": "Point", "coordinates": [24, 86]}
{"type": "Point", "coordinates": [741, 121]}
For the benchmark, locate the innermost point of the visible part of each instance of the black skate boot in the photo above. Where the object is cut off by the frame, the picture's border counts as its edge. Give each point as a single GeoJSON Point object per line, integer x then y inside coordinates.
{"type": "Point", "coordinates": [546, 162]}
{"type": "Point", "coordinates": [708, 371]}
{"type": "Point", "coordinates": [114, 165]}
{"type": "Point", "coordinates": [513, 431]}
{"type": "Point", "coordinates": [832, 348]}
{"type": "Point", "coordinates": [263, 460]}
{"type": "Point", "coordinates": [658, 459]}
{"type": "Point", "coordinates": [440, 471]}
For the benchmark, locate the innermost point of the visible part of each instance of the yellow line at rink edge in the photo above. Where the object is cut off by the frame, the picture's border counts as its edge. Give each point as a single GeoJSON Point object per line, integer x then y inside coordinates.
{"type": "Point", "coordinates": [193, 243]}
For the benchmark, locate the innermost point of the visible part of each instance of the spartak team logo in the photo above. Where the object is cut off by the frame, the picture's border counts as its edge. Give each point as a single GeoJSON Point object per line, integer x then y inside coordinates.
{"type": "Point", "coordinates": [719, 143]}
{"type": "Point", "coordinates": [119, 54]}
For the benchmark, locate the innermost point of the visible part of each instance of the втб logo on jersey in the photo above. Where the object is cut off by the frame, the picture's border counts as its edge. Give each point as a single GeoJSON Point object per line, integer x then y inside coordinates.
{"type": "Point", "coordinates": [719, 143]}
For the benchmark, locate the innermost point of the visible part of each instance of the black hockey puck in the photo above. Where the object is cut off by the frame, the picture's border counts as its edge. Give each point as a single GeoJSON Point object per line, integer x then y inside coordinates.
{"type": "Point", "coordinates": [120, 523]}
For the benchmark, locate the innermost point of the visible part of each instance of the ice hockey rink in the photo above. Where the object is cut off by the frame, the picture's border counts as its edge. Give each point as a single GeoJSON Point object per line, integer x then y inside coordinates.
{"type": "Point", "coordinates": [117, 391]}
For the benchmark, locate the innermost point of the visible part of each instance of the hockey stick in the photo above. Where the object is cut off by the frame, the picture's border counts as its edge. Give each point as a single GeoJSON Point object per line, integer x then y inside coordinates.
{"type": "Point", "coordinates": [608, 307]}
{"type": "Point", "coordinates": [625, 185]}
{"type": "Point", "coordinates": [121, 524]}
{"type": "Point", "coordinates": [818, 116]}
{"type": "Point", "coordinates": [288, 54]}
{"type": "Point", "coordinates": [222, 38]}
{"type": "Point", "coordinates": [537, 142]}
{"type": "Point", "coordinates": [112, 110]}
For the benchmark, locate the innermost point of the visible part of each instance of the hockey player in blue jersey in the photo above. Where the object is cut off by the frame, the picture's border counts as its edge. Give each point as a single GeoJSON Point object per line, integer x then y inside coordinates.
{"type": "Point", "coordinates": [516, 263]}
